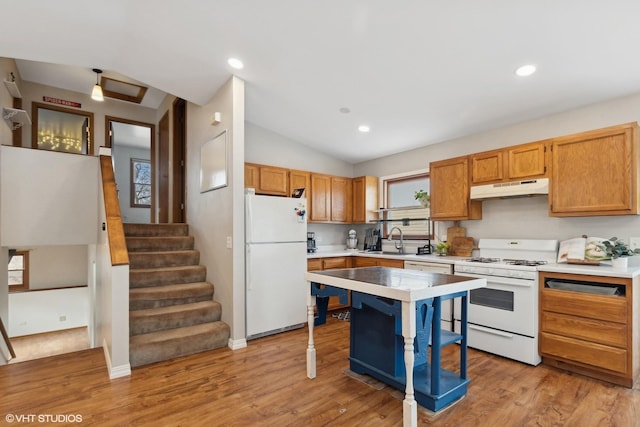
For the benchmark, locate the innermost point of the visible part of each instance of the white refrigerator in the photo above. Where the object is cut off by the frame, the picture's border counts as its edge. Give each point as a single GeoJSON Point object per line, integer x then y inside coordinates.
{"type": "Point", "coordinates": [276, 262]}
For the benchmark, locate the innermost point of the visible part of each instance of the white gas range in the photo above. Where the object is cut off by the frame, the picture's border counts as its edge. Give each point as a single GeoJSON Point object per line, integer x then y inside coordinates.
{"type": "Point", "coordinates": [503, 317]}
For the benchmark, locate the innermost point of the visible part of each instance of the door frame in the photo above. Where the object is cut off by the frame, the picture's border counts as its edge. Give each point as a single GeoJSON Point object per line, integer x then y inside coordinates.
{"type": "Point", "coordinates": [108, 139]}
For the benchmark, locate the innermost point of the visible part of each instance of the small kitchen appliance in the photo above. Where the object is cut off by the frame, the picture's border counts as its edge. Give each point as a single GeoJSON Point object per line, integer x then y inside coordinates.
{"type": "Point", "coordinates": [352, 240]}
{"type": "Point", "coordinates": [503, 316]}
{"type": "Point", "coordinates": [311, 242]}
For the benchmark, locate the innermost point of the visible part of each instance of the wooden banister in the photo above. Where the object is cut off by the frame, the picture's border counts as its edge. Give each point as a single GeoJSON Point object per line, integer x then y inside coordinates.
{"type": "Point", "coordinates": [5, 336]}
{"type": "Point", "coordinates": [115, 230]}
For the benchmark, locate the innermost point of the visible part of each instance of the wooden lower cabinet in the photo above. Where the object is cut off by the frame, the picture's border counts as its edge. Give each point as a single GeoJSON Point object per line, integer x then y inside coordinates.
{"type": "Point", "coordinates": [329, 263]}
{"type": "Point", "coordinates": [587, 325]}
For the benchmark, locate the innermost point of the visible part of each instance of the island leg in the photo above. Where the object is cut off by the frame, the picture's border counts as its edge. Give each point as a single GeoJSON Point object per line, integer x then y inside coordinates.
{"type": "Point", "coordinates": [311, 349]}
{"type": "Point", "coordinates": [409, 406]}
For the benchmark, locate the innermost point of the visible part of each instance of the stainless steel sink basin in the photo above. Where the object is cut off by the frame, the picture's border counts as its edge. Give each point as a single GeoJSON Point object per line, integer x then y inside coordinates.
{"type": "Point", "coordinates": [396, 253]}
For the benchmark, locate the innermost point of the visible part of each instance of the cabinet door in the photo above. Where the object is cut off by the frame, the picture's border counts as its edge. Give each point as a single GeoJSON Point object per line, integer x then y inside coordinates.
{"type": "Point", "coordinates": [340, 199]}
{"type": "Point", "coordinates": [332, 263]}
{"type": "Point", "coordinates": [300, 179]}
{"type": "Point", "coordinates": [487, 167]}
{"type": "Point", "coordinates": [365, 199]}
{"type": "Point", "coordinates": [526, 161]}
{"type": "Point", "coordinates": [363, 261]}
{"type": "Point", "coordinates": [251, 173]}
{"type": "Point", "coordinates": [595, 173]}
{"type": "Point", "coordinates": [450, 191]}
{"type": "Point", "coordinates": [320, 198]}
{"type": "Point", "coordinates": [274, 181]}
{"type": "Point", "coordinates": [395, 263]}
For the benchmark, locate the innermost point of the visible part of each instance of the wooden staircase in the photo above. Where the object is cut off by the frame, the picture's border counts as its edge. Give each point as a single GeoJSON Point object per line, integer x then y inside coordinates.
{"type": "Point", "coordinates": [171, 308]}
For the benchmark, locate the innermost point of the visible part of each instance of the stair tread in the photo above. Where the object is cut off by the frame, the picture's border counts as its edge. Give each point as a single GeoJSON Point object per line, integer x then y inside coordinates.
{"type": "Point", "coordinates": [172, 309]}
{"type": "Point", "coordinates": [175, 267]}
{"type": "Point", "coordinates": [177, 333]}
{"type": "Point", "coordinates": [164, 252]}
{"type": "Point", "coordinates": [170, 289]}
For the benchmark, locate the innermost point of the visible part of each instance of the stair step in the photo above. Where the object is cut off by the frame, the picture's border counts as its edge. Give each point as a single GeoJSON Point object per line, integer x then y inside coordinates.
{"type": "Point", "coordinates": [171, 317]}
{"type": "Point", "coordinates": [161, 259]}
{"type": "Point", "coordinates": [144, 277]}
{"type": "Point", "coordinates": [166, 295]}
{"type": "Point", "coordinates": [153, 244]}
{"type": "Point", "coordinates": [151, 230]}
{"type": "Point", "coordinates": [163, 345]}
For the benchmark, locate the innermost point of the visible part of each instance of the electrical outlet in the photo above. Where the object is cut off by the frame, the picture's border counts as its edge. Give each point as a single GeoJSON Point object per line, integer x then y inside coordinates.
{"type": "Point", "coordinates": [63, 318]}
{"type": "Point", "coordinates": [634, 243]}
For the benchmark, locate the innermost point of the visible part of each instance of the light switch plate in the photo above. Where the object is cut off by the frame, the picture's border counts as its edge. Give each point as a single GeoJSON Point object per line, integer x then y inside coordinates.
{"type": "Point", "coordinates": [634, 243]}
{"type": "Point", "coordinates": [229, 242]}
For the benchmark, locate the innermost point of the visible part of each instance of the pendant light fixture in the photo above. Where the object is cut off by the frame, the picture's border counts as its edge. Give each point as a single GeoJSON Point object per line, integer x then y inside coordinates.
{"type": "Point", "coordinates": [96, 94]}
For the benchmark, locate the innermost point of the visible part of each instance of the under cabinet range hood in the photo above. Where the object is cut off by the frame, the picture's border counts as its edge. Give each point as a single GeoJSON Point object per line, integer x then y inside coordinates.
{"type": "Point", "coordinates": [530, 187]}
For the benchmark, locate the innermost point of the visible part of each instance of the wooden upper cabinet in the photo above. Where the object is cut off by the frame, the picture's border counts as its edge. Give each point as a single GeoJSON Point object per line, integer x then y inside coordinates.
{"type": "Point", "coordinates": [251, 175]}
{"type": "Point", "coordinates": [595, 173]}
{"type": "Point", "coordinates": [341, 193]}
{"type": "Point", "coordinates": [320, 201]}
{"type": "Point", "coordinates": [300, 179]}
{"type": "Point", "coordinates": [527, 160]}
{"type": "Point", "coordinates": [269, 180]}
{"type": "Point", "coordinates": [365, 199]}
{"type": "Point", "coordinates": [450, 191]}
{"type": "Point", "coordinates": [509, 164]}
{"type": "Point", "coordinates": [487, 167]}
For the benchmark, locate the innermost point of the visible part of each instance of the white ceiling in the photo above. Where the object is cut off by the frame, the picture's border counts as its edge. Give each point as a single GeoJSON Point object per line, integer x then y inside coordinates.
{"type": "Point", "coordinates": [416, 71]}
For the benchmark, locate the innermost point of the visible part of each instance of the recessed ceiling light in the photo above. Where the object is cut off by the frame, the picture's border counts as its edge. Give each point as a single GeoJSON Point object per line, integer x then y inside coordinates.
{"type": "Point", "coordinates": [235, 63]}
{"type": "Point", "coordinates": [525, 70]}
{"type": "Point", "coordinates": [364, 128]}
{"type": "Point", "coordinates": [344, 110]}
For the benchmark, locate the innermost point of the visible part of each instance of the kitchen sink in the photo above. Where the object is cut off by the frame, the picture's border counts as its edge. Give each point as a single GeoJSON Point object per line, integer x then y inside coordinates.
{"type": "Point", "coordinates": [396, 253]}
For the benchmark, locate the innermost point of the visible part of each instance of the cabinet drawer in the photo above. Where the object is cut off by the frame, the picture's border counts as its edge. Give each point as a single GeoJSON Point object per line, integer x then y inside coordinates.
{"type": "Point", "coordinates": [608, 333]}
{"type": "Point", "coordinates": [611, 309]}
{"type": "Point", "coordinates": [314, 264]}
{"type": "Point", "coordinates": [587, 353]}
{"type": "Point", "coordinates": [337, 262]}
{"type": "Point", "coordinates": [395, 263]}
{"type": "Point", "coordinates": [365, 262]}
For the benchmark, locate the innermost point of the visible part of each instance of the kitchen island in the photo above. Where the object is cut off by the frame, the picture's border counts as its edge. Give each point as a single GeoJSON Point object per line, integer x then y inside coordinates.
{"type": "Point", "coordinates": [407, 287]}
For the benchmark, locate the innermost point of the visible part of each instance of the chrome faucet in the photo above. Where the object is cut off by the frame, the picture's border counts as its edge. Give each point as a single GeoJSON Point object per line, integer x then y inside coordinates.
{"type": "Point", "coordinates": [401, 247]}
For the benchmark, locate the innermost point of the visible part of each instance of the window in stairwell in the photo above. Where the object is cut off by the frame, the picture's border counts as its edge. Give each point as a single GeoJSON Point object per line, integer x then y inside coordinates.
{"type": "Point", "coordinates": [18, 270]}
{"type": "Point", "coordinates": [140, 183]}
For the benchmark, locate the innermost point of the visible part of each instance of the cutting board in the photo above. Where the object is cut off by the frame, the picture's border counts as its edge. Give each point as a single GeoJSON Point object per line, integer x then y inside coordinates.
{"type": "Point", "coordinates": [461, 246]}
{"type": "Point", "coordinates": [455, 231]}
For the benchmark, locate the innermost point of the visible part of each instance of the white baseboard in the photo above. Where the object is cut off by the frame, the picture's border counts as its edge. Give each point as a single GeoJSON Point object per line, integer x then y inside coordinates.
{"type": "Point", "coordinates": [117, 371]}
{"type": "Point", "coordinates": [237, 344]}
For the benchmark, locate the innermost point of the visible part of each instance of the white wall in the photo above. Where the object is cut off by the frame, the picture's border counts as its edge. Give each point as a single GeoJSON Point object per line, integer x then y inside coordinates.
{"type": "Point", "coordinates": [524, 218]}
{"type": "Point", "coordinates": [122, 156]}
{"type": "Point", "coordinates": [45, 311]}
{"type": "Point", "coordinates": [47, 198]}
{"type": "Point", "coordinates": [215, 215]}
{"type": "Point", "coordinates": [57, 266]}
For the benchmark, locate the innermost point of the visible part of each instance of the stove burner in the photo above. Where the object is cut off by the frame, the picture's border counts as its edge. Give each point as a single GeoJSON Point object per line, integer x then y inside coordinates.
{"type": "Point", "coordinates": [484, 260]}
{"type": "Point", "coordinates": [523, 262]}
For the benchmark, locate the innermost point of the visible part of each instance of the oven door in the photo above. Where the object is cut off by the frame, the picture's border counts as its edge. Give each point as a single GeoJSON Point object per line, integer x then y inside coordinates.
{"type": "Point", "coordinates": [506, 304]}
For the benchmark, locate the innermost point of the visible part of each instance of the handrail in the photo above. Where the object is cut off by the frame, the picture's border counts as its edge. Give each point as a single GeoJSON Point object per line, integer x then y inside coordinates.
{"type": "Point", "coordinates": [115, 230]}
{"type": "Point", "coordinates": [5, 336]}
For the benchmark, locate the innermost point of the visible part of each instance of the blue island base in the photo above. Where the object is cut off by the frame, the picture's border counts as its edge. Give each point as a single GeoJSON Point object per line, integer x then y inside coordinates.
{"type": "Point", "coordinates": [454, 387]}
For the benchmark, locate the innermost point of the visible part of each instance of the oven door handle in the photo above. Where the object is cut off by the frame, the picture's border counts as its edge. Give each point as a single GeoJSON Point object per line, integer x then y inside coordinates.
{"type": "Point", "coordinates": [489, 331]}
{"type": "Point", "coordinates": [500, 280]}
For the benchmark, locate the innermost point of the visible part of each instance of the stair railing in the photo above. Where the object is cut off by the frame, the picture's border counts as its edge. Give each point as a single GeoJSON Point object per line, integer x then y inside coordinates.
{"type": "Point", "coordinates": [115, 230]}
{"type": "Point", "coordinates": [5, 337]}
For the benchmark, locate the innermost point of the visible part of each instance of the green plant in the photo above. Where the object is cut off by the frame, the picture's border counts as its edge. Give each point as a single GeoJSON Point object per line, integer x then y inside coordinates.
{"type": "Point", "coordinates": [421, 195]}
{"type": "Point", "coordinates": [616, 248]}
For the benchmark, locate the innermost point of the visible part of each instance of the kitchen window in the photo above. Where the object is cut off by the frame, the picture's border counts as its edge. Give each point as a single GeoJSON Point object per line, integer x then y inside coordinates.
{"type": "Point", "coordinates": [402, 209]}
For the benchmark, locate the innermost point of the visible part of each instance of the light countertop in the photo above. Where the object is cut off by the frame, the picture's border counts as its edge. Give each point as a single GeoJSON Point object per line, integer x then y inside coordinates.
{"type": "Point", "coordinates": [336, 252]}
{"type": "Point", "coordinates": [604, 269]}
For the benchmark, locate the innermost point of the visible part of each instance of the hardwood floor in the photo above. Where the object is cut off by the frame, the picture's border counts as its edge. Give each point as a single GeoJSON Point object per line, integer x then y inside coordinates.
{"type": "Point", "coordinates": [265, 384]}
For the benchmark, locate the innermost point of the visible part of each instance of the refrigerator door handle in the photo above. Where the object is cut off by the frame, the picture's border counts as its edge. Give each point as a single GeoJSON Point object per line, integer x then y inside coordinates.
{"type": "Point", "coordinates": [248, 218]}
{"type": "Point", "coordinates": [248, 270]}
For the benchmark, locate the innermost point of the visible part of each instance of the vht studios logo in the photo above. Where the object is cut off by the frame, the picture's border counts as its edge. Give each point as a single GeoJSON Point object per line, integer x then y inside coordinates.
{"type": "Point", "coordinates": [43, 418]}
